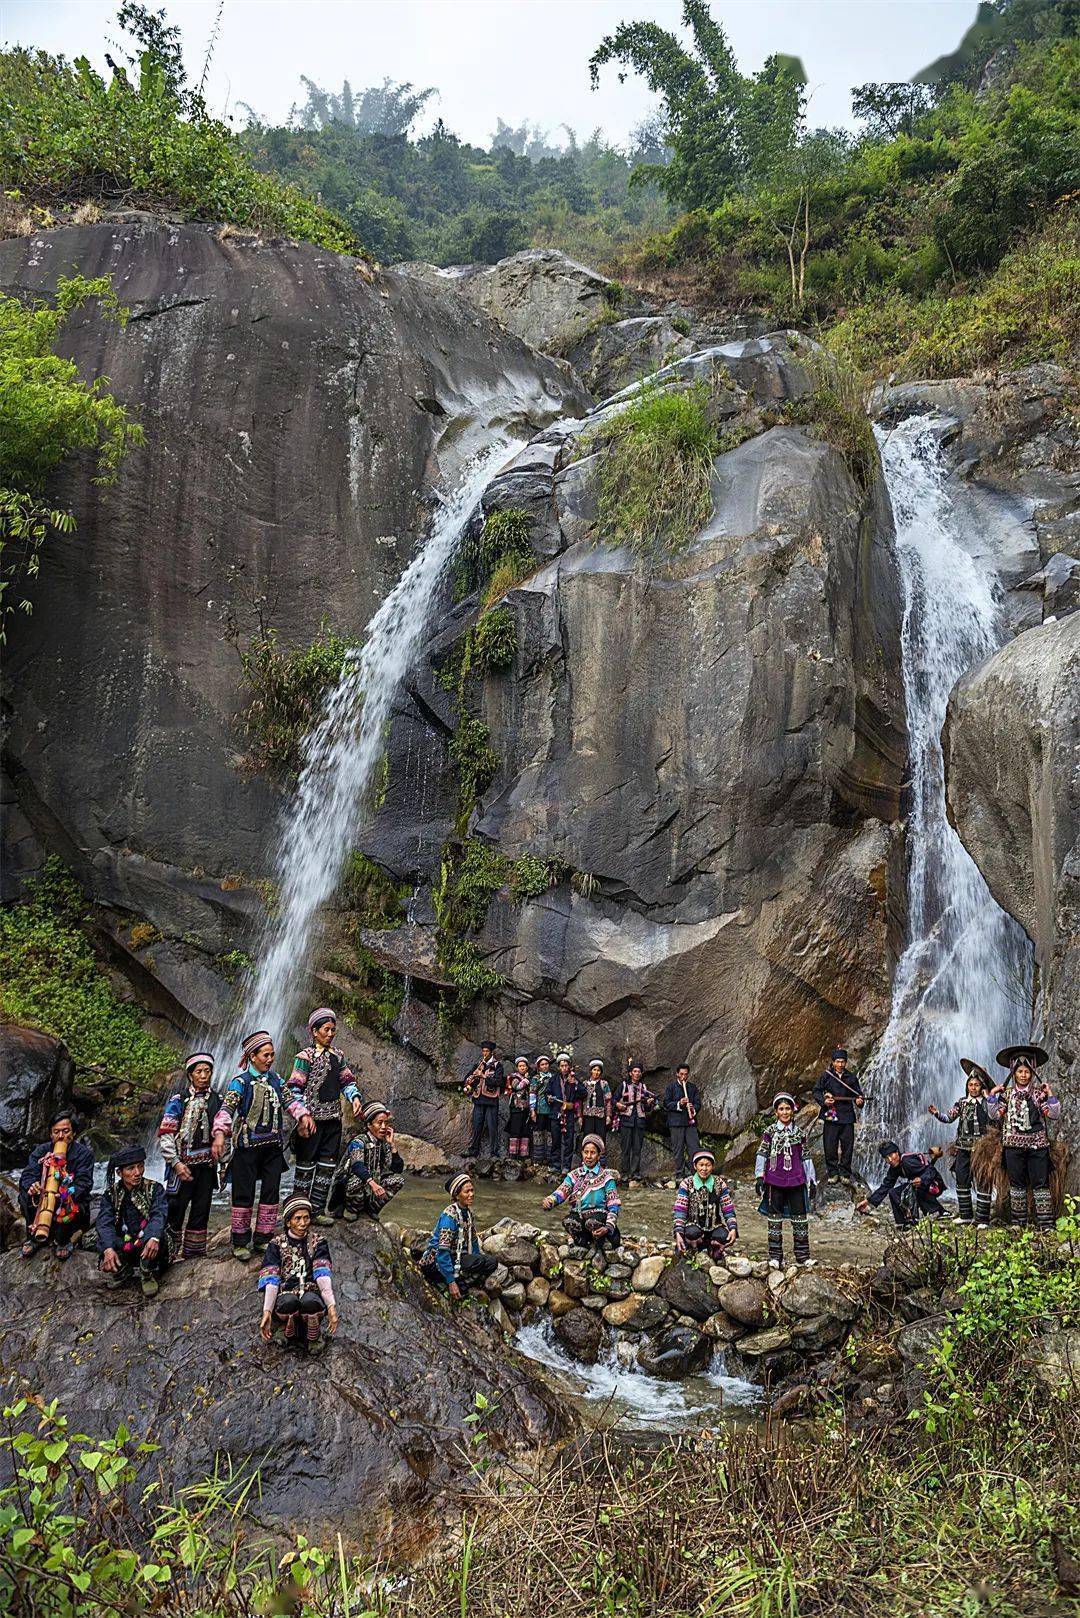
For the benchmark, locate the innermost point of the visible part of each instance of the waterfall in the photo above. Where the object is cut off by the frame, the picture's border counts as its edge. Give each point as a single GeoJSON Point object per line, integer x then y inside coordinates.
{"type": "Point", "coordinates": [963, 983]}
{"type": "Point", "coordinates": [341, 756]}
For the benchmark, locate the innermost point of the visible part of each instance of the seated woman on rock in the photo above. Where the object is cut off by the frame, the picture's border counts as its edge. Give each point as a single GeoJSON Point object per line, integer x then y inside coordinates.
{"type": "Point", "coordinates": [913, 1184]}
{"type": "Point", "coordinates": [1024, 1107]}
{"type": "Point", "coordinates": [54, 1190]}
{"type": "Point", "coordinates": [186, 1138]}
{"type": "Point", "coordinates": [295, 1281]}
{"type": "Point", "coordinates": [133, 1233]}
{"type": "Point", "coordinates": [784, 1175]}
{"type": "Point", "coordinates": [973, 1119]}
{"type": "Point", "coordinates": [593, 1193]}
{"type": "Point", "coordinates": [704, 1212]}
{"type": "Point", "coordinates": [453, 1258]}
{"type": "Point", "coordinates": [370, 1171]}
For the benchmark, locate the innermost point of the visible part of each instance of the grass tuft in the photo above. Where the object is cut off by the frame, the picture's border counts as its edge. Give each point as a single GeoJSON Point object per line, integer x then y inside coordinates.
{"type": "Point", "coordinates": [656, 472]}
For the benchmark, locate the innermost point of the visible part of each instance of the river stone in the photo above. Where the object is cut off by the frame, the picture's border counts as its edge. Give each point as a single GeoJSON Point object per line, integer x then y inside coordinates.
{"type": "Point", "coordinates": [822, 1331]}
{"type": "Point", "coordinates": [722, 1329]}
{"type": "Point", "coordinates": [538, 1291]}
{"type": "Point", "coordinates": [619, 1272]}
{"type": "Point", "coordinates": [745, 1301]}
{"type": "Point", "coordinates": [1056, 1361]}
{"type": "Point", "coordinates": [499, 1278]}
{"type": "Point", "coordinates": [739, 1266]}
{"type": "Point", "coordinates": [688, 1290]}
{"type": "Point", "coordinates": [560, 1303]}
{"type": "Point", "coordinates": [626, 1353]}
{"type": "Point", "coordinates": [811, 1293]}
{"type": "Point", "coordinates": [622, 1312]}
{"type": "Point", "coordinates": [36, 1076]}
{"type": "Point", "coordinates": [514, 1297]}
{"type": "Point", "coordinates": [575, 1280]}
{"type": "Point", "coordinates": [616, 1289]}
{"type": "Point", "coordinates": [581, 1333]}
{"type": "Point", "coordinates": [718, 1275]}
{"type": "Point", "coordinates": [501, 1318]}
{"type": "Point", "coordinates": [520, 1250]}
{"type": "Point", "coordinates": [771, 1341]}
{"type": "Point", "coordinates": [647, 1274]}
{"type": "Point", "coordinates": [678, 1352]}
{"type": "Point", "coordinates": [522, 1273]}
{"type": "Point", "coordinates": [595, 1301]}
{"type": "Point", "coordinates": [549, 1257]}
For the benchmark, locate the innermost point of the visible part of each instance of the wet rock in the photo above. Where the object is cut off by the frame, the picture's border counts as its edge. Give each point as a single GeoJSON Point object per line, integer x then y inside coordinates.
{"type": "Point", "coordinates": [549, 1257]}
{"type": "Point", "coordinates": [501, 1316]}
{"type": "Point", "coordinates": [676, 1353]}
{"type": "Point", "coordinates": [581, 1333]}
{"type": "Point", "coordinates": [596, 1301]}
{"type": "Point", "coordinates": [499, 1278]}
{"type": "Point", "coordinates": [36, 1078]}
{"type": "Point", "coordinates": [521, 1250]}
{"type": "Point", "coordinates": [619, 1272]}
{"type": "Point", "coordinates": [641, 1311]}
{"type": "Point", "coordinates": [513, 1297]}
{"type": "Point", "coordinates": [688, 1290]}
{"type": "Point", "coordinates": [421, 1156]}
{"type": "Point", "coordinates": [615, 354]}
{"type": "Point", "coordinates": [647, 1273]}
{"type": "Point", "coordinates": [722, 1329]}
{"type": "Point", "coordinates": [560, 1303]}
{"type": "Point", "coordinates": [774, 1340]}
{"type": "Point", "coordinates": [538, 1291]}
{"type": "Point", "coordinates": [745, 1301]}
{"type": "Point", "coordinates": [814, 1333]}
{"type": "Point", "coordinates": [739, 1266]}
{"type": "Point", "coordinates": [541, 295]}
{"type": "Point", "coordinates": [811, 1293]}
{"type": "Point", "coordinates": [575, 1280]}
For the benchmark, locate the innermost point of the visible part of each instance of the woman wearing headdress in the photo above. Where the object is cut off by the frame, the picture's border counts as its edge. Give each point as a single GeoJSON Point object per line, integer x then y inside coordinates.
{"type": "Point", "coordinates": [972, 1117]}
{"type": "Point", "coordinates": [540, 1110]}
{"type": "Point", "coordinates": [371, 1170]}
{"type": "Point", "coordinates": [59, 1179]}
{"type": "Point", "coordinates": [295, 1281]}
{"type": "Point", "coordinates": [252, 1116]}
{"type": "Point", "coordinates": [564, 1102]}
{"type": "Point", "coordinates": [520, 1085]}
{"type": "Point", "coordinates": [634, 1101]}
{"type": "Point", "coordinates": [186, 1138]}
{"type": "Point", "coordinates": [322, 1079]}
{"type": "Point", "coordinates": [453, 1258]}
{"type": "Point", "coordinates": [1024, 1106]}
{"type": "Point", "coordinates": [703, 1217]}
{"type": "Point", "coordinates": [593, 1194]}
{"type": "Point", "coordinates": [784, 1172]}
{"type": "Point", "coordinates": [133, 1232]}
{"type": "Point", "coordinates": [596, 1104]}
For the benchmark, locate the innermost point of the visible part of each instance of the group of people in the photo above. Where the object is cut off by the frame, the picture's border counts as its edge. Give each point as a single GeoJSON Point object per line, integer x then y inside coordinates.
{"type": "Point", "coordinates": [240, 1134]}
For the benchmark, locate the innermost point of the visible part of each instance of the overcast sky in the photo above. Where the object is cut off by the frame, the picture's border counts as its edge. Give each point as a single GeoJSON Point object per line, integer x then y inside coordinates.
{"type": "Point", "coordinates": [515, 59]}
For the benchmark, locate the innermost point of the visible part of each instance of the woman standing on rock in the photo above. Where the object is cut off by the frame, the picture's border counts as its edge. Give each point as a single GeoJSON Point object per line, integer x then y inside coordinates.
{"type": "Point", "coordinates": [564, 1100]}
{"type": "Point", "coordinates": [453, 1258]}
{"type": "Point", "coordinates": [1024, 1108]}
{"type": "Point", "coordinates": [633, 1103]}
{"type": "Point", "coordinates": [322, 1078]}
{"type": "Point", "coordinates": [186, 1138]}
{"type": "Point", "coordinates": [704, 1212]}
{"type": "Point", "coordinates": [784, 1173]}
{"type": "Point", "coordinates": [520, 1085]}
{"type": "Point", "coordinates": [252, 1115]}
{"type": "Point", "coordinates": [972, 1118]}
{"type": "Point", "coordinates": [296, 1281]}
{"type": "Point", "coordinates": [540, 1111]}
{"type": "Point", "coordinates": [596, 1104]}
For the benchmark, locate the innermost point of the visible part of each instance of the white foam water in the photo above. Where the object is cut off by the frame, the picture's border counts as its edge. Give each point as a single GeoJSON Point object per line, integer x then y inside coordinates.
{"type": "Point", "coordinates": [963, 983]}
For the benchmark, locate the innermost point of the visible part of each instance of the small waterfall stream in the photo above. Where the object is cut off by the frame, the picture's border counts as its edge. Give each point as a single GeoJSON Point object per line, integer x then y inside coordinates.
{"type": "Point", "coordinates": [341, 756]}
{"type": "Point", "coordinates": [963, 983]}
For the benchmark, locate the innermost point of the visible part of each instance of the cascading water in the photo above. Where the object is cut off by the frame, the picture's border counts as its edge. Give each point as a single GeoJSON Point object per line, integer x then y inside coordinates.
{"type": "Point", "coordinates": [341, 756]}
{"type": "Point", "coordinates": [963, 983]}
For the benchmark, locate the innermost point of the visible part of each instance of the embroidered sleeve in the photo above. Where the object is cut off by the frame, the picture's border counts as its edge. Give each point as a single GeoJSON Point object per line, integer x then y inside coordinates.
{"type": "Point", "coordinates": [566, 1189]}
{"type": "Point", "coordinates": [297, 1107]}
{"type": "Point", "coordinates": [953, 1112]}
{"type": "Point", "coordinates": [320, 1260]}
{"type": "Point", "coordinates": [1050, 1107]}
{"type": "Point", "coordinates": [682, 1206]}
{"type": "Point", "coordinates": [270, 1276]}
{"type": "Point", "coordinates": [230, 1101]}
{"type": "Point", "coordinates": [444, 1242]}
{"type": "Point", "coordinates": [762, 1158]}
{"type": "Point", "coordinates": [612, 1203]}
{"type": "Point", "coordinates": [301, 1070]}
{"type": "Point", "coordinates": [727, 1207]}
{"type": "Point", "coordinates": [350, 1084]}
{"type": "Point", "coordinates": [995, 1106]}
{"type": "Point", "coordinates": [167, 1129]}
{"type": "Point", "coordinates": [358, 1163]}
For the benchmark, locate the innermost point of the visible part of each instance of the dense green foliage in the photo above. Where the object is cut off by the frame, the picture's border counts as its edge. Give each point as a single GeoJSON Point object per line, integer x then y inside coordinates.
{"type": "Point", "coordinates": [498, 545]}
{"type": "Point", "coordinates": [656, 473]}
{"type": "Point", "coordinates": [47, 414]}
{"type": "Point", "coordinates": [494, 640]}
{"type": "Point", "coordinates": [68, 136]}
{"type": "Point", "coordinates": [287, 691]}
{"type": "Point", "coordinates": [51, 980]}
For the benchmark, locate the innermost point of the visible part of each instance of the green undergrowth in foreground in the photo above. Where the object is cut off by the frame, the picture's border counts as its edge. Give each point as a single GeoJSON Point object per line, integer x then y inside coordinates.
{"type": "Point", "coordinates": [965, 1507]}
{"type": "Point", "coordinates": [50, 978]}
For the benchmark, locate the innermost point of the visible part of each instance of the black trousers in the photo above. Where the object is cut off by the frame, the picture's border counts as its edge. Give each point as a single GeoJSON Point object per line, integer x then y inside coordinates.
{"type": "Point", "coordinates": [193, 1198]}
{"type": "Point", "coordinates": [563, 1137]}
{"type": "Point", "coordinates": [911, 1198]}
{"type": "Point", "coordinates": [58, 1233]}
{"type": "Point", "coordinates": [324, 1146]}
{"type": "Point", "coordinates": [134, 1264]}
{"type": "Point", "coordinates": [301, 1314]}
{"type": "Point", "coordinates": [1026, 1168]}
{"type": "Point", "coordinates": [474, 1271]}
{"type": "Point", "coordinates": [712, 1241]}
{"type": "Point", "coordinates": [685, 1141]}
{"type": "Point", "coordinates": [485, 1119]}
{"type": "Point", "coordinates": [541, 1138]}
{"type": "Point", "coordinates": [584, 1230]}
{"type": "Point", "coordinates": [838, 1142]}
{"type": "Point", "coordinates": [262, 1167]}
{"type": "Point", "coordinates": [632, 1139]}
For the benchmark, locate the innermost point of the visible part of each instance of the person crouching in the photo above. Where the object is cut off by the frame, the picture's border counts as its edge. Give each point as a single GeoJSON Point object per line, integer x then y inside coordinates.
{"type": "Point", "coordinates": [371, 1171]}
{"type": "Point", "coordinates": [453, 1258]}
{"type": "Point", "coordinates": [296, 1281]}
{"type": "Point", "coordinates": [912, 1183]}
{"type": "Point", "coordinates": [784, 1172]}
{"type": "Point", "coordinates": [593, 1193]}
{"type": "Point", "coordinates": [133, 1233]}
{"type": "Point", "coordinates": [704, 1214]}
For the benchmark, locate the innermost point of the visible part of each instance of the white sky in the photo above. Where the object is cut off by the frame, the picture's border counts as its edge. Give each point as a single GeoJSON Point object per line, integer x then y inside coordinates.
{"type": "Point", "coordinates": [515, 59]}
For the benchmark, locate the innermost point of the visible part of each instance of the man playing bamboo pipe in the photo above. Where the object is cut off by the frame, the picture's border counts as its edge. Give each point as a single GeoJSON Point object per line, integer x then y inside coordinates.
{"type": "Point", "coordinates": [133, 1234]}
{"type": "Point", "coordinates": [322, 1079]}
{"type": "Point", "coordinates": [370, 1171]}
{"type": "Point", "coordinates": [840, 1097]}
{"type": "Point", "coordinates": [54, 1190]}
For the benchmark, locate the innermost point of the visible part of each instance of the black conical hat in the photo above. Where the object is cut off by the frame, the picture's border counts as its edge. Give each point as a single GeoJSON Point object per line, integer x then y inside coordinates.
{"type": "Point", "coordinates": [1033, 1053]}
{"type": "Point", "coordinates": [974, 1071]}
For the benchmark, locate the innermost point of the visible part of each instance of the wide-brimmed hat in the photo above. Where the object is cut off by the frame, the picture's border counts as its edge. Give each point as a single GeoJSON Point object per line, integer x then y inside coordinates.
{"type": "Point", "coordinates": [1033, 1055]}
{"type": "Point", "coordinates": [974, 1071]}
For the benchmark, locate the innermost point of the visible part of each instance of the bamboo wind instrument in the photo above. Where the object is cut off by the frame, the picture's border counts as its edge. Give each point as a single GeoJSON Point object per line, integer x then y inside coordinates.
{"type": "Point", "coordinates": [50, 1191]}
{"type": "Point", "coordinates": [691, 1110]}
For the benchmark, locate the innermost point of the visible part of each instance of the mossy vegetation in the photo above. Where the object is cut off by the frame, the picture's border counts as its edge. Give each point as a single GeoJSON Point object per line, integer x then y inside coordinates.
{"type": "Point", "coordinates": [287, 690]}
{"type": "Point", "coordinates": [374, 897]}
{"type": "Point", "coordinates": [50, 979]}
{"type": "Point", "coordinates": [501, 542]}
{"type": "Point", "coordinates": [835, 411]}
{"type": "Point", "coordinates": [494, 640]}
{"type": "Point", "coordinates": [656, 471]}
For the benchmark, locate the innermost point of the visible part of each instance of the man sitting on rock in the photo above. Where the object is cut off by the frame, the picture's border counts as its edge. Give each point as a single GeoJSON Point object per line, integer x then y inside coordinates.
{"type": "Point", "coordinates": [593, 1193]}
{"type": "Point", "coordinates": [453, 1258]}
{"type": "Point", "coordinates": [913, 1184]}
{"type": "Point", "coordinates": [295, 1280]}
{"type": "Point", "coordinates": [56, 1185]}
{"type": "Point", "coordinates": [133, 1234]}
{"type": "Point", "coordinates": [704, 1212]}
{"type": "Point", "coordinates": [370, 1171]}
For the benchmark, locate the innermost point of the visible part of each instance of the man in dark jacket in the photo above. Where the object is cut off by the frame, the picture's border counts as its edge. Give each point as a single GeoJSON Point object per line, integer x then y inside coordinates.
{"type": "Point", "coordinates": [913, 1184]}
{"type": "Point", "coordinates": [681, 1102]}
{"type": "Point", "coordinates": [133, 1234]}
{"type": "Point", "coordinates": [485, 1084]}
{"type": "Point", "coordinates": [839, 1095]}
{"type": "Point", "coordinates": [69, 1192]}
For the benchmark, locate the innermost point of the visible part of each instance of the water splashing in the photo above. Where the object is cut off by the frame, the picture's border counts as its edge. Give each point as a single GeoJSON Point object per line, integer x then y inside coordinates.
{"type": "Point", "coordinates": [341, 755]}
{"type": "Point", "coordinates": [963, 984]}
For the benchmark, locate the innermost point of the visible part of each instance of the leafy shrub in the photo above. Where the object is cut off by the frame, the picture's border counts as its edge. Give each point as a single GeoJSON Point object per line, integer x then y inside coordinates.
{"type": "Point", "coordinates": [494, 640]}
{"type": "Point", "coordinates": [835, 411]}
{"type": "Point", "coordinates": [288, 689]}
{"type": "Point", "coordinates": [509, 570]}
{"type": "Point", "coordinates": [469, 877]}
{"type": "Point", "coordinates": [531, 876]}
{"type": "Point", "coordinates": [656, 472]}
{"type": "Point", "coordinates": [502, 540]}
{"type": "Point", "coordinates": [51, 980]}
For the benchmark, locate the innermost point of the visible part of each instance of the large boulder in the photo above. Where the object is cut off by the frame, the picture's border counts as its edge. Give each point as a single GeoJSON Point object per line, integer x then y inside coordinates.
{"type": "Point", "coordinates": [1012, 741]}
{"type": "Point", "coordinates": [811, 1294]}
{"type": "Point", "coordinates": [688, 1290]}
{"type": "Point", "coordinates": [676, 1353]}
{"type": "Point", "coordinates": [615, 353]}
{"type": "Point", "coordinates": [581, 1333]}
{"type": "Point", "coordinates": [745, 1301]}
{"type": "Point", "coordinates": [187, 1370]}
{"type": "Point", "coordinates": [540, 295]}
{"type": "Point", "coordinates": [36, 1076]}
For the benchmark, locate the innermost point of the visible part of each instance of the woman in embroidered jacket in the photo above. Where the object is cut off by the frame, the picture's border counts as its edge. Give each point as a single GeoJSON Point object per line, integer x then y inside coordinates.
{"type": "Point", "coordinates": [704, 1212]}
{"type": "Point", "coordinates": [186, 1137]}
{"type": "Point", "coordinates": [520, 1086]}
{"type": "Point", "coordinates": [453, 1258]}
{"type": "Point", "coordinates": [784, 1173]}
{"type": "Point", "coordinates": [133, 1233]}
{"type": "Point", "coordinates": [295, 1280]}
{"type": "Point", "coordinates": [252, 1116]}
{"type": "Point", "coordinates": [540, 1111]}
{"type": "Point", "coordinates": [1024, 1106]}
{"type": "Point", "coordinates": [972, 1117]}
{"type": "Point", "coordinates": [322, 1078]}
{"type": "Point", "coordinates": [633, 1103]}
{"type": "Point", "coordinates": [596, 1103]}
{"type": "Point", "coordinates": [593, 1194]}
{"type": "Point", "coordinates": [371, 1171]}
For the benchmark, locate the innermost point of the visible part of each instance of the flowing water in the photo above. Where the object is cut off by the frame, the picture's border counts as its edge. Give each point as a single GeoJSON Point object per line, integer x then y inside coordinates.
{"type": "Point", "coordinates": [963, 983]}
{"type": "Point", "coordinates": [341, 756]}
